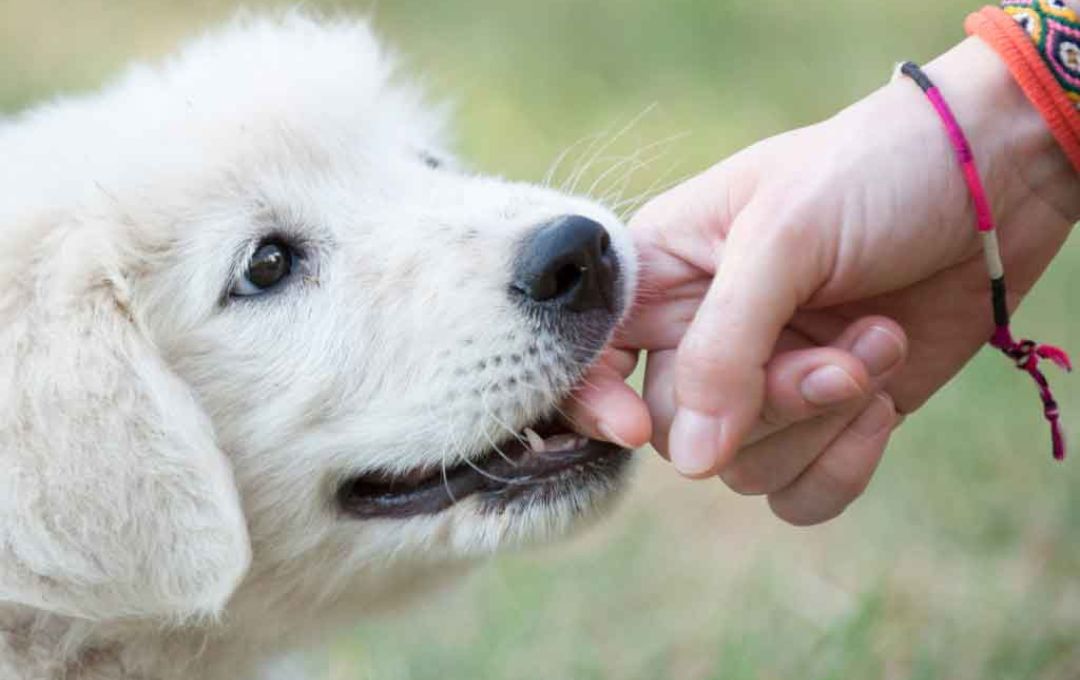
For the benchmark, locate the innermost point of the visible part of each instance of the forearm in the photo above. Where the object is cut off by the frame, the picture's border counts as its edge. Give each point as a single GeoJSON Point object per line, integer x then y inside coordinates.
{"type": "Point", "coordinates": [895, 140]}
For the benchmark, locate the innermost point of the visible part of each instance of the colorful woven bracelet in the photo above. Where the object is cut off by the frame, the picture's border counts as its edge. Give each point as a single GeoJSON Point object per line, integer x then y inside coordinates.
{"type": "Point", "coordinates": [1025, 353]}
{"type": "Point", "coordinates": [1055, 30]}
{"type": "Point", "coordinates": [1039, 41]}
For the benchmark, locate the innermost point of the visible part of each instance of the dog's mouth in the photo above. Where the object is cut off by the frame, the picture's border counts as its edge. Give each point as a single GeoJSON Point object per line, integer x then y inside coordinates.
{"type": "Point", "coordinates": [542, 464]}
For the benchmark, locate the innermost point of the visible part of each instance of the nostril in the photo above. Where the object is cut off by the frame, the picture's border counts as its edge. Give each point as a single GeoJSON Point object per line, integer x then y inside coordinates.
{"type": "Point", "coordinates": [567, 278]}
{"type": "Point", "coordinates": [554, 282]}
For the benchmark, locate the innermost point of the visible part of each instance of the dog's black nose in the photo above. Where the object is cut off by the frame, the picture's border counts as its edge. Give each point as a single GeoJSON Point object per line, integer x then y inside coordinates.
{"type": "Point", "coordinates": [568, 263]}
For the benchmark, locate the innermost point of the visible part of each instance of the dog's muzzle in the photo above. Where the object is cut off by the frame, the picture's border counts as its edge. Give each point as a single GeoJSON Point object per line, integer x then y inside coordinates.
{"type": "Point", "coordinates": [566, 282]}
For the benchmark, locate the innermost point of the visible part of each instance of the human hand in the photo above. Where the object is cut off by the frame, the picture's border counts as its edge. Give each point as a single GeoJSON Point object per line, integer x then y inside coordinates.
{"type": "Point", "coordinates": [806, 233]}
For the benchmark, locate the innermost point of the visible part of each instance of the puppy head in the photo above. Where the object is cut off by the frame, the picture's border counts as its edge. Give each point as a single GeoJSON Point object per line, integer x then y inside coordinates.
{"type": "Point", "coordinates": [377, 340]}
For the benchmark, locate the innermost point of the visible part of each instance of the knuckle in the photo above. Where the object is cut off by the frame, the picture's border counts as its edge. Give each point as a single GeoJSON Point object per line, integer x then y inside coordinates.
{"type": "Point", "coordinates": [700, 354]}
{"type": "Point", "coordinates": [843, 484]}
{"type": "Point", "coordinates": [746, 480]}
{"type": "Point", "coordinates": [773, 417]}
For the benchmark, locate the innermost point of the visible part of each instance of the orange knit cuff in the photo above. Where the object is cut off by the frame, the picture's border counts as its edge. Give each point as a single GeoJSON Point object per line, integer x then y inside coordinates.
{"type": "Point", "coordinates": [1015, 47]}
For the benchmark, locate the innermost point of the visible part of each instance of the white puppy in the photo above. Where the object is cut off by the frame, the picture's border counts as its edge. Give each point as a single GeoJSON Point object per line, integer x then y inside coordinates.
{"type": "Point", "coordinates": [269, 361]}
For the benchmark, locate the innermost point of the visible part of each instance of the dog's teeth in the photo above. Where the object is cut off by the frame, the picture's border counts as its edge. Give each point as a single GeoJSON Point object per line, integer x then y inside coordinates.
{"type": "Point", "coordinates": [536, 442]}
{"type": "Point", "coordinates": [565, 442]}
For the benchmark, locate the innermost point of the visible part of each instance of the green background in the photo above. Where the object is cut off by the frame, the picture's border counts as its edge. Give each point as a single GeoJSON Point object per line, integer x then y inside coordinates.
{"type": "Point", "coordinates": [962, 560]}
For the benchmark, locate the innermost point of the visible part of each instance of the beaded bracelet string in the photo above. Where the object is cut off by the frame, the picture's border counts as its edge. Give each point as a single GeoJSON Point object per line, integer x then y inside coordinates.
{"type": "Point", "coordinates": [1026, 353]}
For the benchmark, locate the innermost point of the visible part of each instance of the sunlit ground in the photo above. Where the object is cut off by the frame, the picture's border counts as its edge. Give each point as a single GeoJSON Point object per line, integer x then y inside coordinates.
{"type": "Point", "coordinates": [963, 560]}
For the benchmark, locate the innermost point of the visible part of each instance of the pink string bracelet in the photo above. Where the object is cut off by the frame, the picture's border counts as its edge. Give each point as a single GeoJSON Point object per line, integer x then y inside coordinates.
{"type": "Point", "coordinates": [1026, 353]}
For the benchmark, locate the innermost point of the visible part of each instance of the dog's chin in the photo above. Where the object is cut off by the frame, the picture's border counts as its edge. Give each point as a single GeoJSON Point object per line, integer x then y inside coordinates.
{"type": "Point", "coordinates": [547, 473]}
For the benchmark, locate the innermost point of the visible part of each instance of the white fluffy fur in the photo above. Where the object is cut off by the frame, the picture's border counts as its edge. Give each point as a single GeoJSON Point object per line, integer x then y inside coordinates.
{"type": "Point", "coordinates": [169, 455]}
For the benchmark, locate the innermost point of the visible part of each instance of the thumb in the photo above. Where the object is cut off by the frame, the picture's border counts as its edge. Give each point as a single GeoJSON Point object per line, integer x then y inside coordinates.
{"type": "Point", "coordinates": [720, 365]}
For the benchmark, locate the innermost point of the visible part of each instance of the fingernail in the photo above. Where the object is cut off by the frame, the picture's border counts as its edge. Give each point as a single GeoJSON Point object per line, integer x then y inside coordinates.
{"type": "Point", "coordinates": [879, 349]}
{"type": "Point", "coordinates": [609, 434]}
{"type": "Point", "coordinates": [829, 385]}
{"type": "Point", "coordinates": [694, 442]}
{"type": "Point", "coordinates": [879, 415]}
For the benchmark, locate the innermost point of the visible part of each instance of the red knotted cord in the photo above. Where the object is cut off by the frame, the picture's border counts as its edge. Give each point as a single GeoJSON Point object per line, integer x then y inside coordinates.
{"type": "Point", "coordinates": [1026, 353]}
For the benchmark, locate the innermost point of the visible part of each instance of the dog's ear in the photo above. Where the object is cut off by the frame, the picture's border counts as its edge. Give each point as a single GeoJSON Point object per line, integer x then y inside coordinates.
{"type": "Point", "coordinates": [115, 500]}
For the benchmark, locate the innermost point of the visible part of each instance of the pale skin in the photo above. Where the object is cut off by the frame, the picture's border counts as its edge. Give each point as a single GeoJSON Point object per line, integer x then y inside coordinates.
{"type": "Point", "coordinates": [803, 295]}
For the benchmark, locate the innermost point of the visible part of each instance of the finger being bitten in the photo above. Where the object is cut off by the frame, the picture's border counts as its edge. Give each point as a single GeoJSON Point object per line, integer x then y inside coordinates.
{"type": "Point", "coordinates": [606, 408]}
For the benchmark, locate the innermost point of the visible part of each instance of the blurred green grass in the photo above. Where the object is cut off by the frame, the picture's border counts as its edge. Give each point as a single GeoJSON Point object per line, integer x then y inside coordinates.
{"type": "Point", "coordinates": [963, 560]}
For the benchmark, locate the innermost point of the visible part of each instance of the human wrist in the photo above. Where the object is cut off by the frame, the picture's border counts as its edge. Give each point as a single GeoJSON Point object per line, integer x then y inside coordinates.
{"type": "Point", "coordinates": [1016, 152]}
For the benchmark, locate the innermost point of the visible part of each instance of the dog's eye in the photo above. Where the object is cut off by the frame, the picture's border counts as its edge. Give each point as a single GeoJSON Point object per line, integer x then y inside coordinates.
{"type": "Point", "coordinates": [269, 266]}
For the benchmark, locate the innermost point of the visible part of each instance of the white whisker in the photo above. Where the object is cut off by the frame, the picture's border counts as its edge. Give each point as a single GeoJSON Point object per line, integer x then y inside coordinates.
{"type": "Point", "coordinates": [597, 152]}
